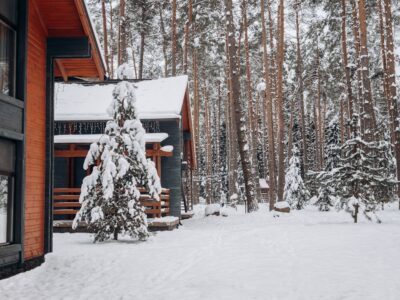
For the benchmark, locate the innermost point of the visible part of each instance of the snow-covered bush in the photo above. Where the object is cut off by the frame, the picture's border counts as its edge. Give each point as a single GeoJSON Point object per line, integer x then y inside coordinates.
{"type": "Point", "coordinates": [295, 193]}
{"type": "Point", "coordinates": [110, 196]}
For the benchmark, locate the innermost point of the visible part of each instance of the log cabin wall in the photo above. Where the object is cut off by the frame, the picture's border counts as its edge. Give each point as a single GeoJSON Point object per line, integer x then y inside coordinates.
{"type": "Point", "coordinates": [35, 136]}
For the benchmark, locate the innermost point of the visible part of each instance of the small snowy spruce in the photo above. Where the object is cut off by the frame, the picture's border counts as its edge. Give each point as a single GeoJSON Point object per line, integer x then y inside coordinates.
{"type": "Point", "coordinates": [326, 192]}
{"type": "Point", "coordinates": [296, 193]}
{"type": "Point", "coordinates": [110, 196]}
{"type": "Point", "coordinates": [363, 179]}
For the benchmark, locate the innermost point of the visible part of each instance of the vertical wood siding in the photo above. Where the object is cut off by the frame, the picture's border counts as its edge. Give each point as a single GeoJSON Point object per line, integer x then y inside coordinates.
{"type": "Point", "coordinates": [35, 137]}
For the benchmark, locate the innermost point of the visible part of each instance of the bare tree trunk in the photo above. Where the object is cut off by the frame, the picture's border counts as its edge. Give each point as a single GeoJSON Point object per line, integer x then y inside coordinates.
{"type": "Point", "coordinates": [240, 117]}
{"type": "Point", "coordinates": [105, 34]}
{"type": "Point", "coordinates": [251, 117]}
{"type": "Point", "coordinates": [317, 115]}
{"type": "Point", "coordinates": [207, 129]}
{"type": "Point", "coordinates": [301, 92]}
{"type": "Point", "coordinates": [268, 117]}
{"type": "Point", "coordinates": [391, 70]}
{"type": "Point", "coordinates": [384, 62]}
{"type": "Point", "coordinates": [122, 56]}
{"type": "Point", "coordinates": [369, 113]}
{"type": "Point", "coordinates": [356, 34]}
{"type": "Point", "coordinates": [346, 63]}
{"type": "Point", "coordinates": [165, 42]}
{"type": "Point", "coordinates": [111, 42]}
{"type": "Point", "coordinates": [173, 27]}
{"type": "Point", "coordinates": [280, 100]}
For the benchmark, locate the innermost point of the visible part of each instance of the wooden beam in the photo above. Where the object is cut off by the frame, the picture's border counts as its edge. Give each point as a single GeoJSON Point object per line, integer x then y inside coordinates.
{"type": "Point", "coordinates": [42, 24]}
{"type": "Point", "coordinates": [60, 66]}
{"type": "Point", "coordinates": [89, 31]}
{"type": "Point", "coordinates": [70, 153]}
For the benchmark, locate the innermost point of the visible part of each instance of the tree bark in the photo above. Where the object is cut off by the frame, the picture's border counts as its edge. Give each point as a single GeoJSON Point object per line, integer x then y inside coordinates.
{"type": "Point", "coordinates": [105, 34]}
{"type": "Point", "coordinates": [239, 117]}
{"type": "Point", "coordinates": [391, 70]}
{"type": "Point", "coordinates": [268, 117]}
{"type": "Point", "coordinates": [346, 63]}
{"type": "Point", "coordinates": [301, 92]}
{"type": "Point", "coordinates": [122, 56]}
{"type": "Point", "coordinates": [164, 43]}
{"type": "Point", "coordinates": [280, 100]}
{"type": "Point", "coordinates": [173, 27]}
{"type": "Point", "coordinates": [369, 113]}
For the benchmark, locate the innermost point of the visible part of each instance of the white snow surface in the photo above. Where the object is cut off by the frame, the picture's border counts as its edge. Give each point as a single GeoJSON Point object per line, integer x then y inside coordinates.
{"type": "Point", "coordinates": [91, 138]}
{"type": "Point", "coordinates": [302, 255]}
{"type": "Point", "coordinates": [156, 99]}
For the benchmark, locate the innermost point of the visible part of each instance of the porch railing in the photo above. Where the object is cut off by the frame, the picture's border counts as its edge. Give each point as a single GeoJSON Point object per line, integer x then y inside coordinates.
{"type": "Point", "coordinates": [66, 203]}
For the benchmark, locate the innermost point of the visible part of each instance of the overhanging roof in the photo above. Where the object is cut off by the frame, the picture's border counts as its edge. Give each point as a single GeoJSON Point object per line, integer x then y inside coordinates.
{"type": "Point", "coordinates": [158, 99]}
{"type": "Point", "coordinates": [67, 19]}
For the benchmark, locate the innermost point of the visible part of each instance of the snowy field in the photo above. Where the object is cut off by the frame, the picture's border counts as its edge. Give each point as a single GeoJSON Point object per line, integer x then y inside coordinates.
{"type": "Point", "coordinates": [305, 255]}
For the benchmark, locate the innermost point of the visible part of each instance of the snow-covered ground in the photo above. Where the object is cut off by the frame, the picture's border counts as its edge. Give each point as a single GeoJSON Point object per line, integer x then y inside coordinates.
{"type": "Point", "coordinates": [304, 255]}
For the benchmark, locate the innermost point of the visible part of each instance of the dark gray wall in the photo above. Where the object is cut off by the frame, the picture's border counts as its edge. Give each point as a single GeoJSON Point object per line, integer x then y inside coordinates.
{"type": "Point", "coordinates": [171, 166]}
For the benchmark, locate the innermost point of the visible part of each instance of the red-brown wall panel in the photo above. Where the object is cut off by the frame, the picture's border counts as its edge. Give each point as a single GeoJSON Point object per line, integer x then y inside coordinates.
{"type": "Point", "coordinates": [35, 133]}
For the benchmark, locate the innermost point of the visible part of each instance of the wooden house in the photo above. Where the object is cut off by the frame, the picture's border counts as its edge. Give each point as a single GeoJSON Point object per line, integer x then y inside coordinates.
{"type": "Point", "coordinates": [80, 119]}
{"type": "Point", "coordinates": [39, 41]}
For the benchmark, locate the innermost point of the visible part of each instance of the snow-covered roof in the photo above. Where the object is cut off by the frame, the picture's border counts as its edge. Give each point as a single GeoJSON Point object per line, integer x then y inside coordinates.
{"type": "Point", "coordinates": [263, 183]}
{"type": "Point", "coordinates": [156, 99]}
{"type": "Point", "coordinates": [91, 138]}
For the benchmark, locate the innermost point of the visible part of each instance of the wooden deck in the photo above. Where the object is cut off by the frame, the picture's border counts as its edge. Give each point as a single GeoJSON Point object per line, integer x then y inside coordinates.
{"type": "Point", "coordinates": [66, 205]}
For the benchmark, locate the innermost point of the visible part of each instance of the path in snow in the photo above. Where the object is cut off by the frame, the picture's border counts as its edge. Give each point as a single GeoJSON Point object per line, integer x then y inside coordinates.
{"type": "Point", "coordinates": [304, 255]}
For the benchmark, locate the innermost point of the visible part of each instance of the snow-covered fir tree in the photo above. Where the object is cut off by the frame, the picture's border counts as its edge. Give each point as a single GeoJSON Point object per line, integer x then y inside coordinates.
{"type": "Point", "coordinates": [110, 195]}
{"type": "Point", "coordinates": [296, 193]}
{"type": "Point", "coordinates": [326, 192]}
{"type": "Point", "coordinates": [362, 178]}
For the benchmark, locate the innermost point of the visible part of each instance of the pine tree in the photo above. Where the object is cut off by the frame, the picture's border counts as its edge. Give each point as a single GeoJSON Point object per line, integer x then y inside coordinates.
{"type": "Point", "coordinates": [110, 195]}
{"type": "Point", "coordinates": [295, 193]}
{"type": "Point", "coordinates": [362, 179]}
{"type": "Point", "coordinates": [326, 192]}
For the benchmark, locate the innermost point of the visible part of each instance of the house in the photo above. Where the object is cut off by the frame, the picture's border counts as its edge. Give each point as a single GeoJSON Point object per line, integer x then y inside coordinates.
{"type": "Point", "coordinates": [164, 109]}
{"type": "Point", "coordinates": [40, 40]}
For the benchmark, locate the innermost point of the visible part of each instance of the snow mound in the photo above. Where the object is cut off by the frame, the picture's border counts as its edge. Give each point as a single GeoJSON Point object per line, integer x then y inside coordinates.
{"type": "Point", "coordinates": [212, 209]}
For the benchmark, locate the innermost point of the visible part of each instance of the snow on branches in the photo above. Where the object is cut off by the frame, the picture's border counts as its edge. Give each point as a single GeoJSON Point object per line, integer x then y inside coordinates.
{"type": "Point", "coordinates": [295, 193]}
{"type": "Point", "coordinates": [110, 195]}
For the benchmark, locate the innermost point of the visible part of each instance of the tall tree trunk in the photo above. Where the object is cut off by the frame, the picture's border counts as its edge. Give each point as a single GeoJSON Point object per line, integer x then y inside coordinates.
{"type": "Point", "coordinates": [111, 41]}
{"type": "Point", "coordinates": [142, 45]}
{"type": "Point", "coordinates": [173, 27]}
{"type": "Point", "coordinates": [301, 92]}
{"type": "Point", "coordinates": [122, 56]}
{"type": "Point", "coordinates": [383, 58]}
{"type": "Point", "coordinates": [268, 117]}
{"type": "Point", "coordinates": [346, 63]}
{"type": "Point", "coordinates": [164, 43]}
{"type": "Point", "coordinates": [105, 34]}
{"type": "Point", "coordinates": [391, 70]}
{"type": "Point", "coordinates": [280, 100]}
{"type": "Point", "coordinates": [356, 34]}
{"type": "Point", "coordinates": [369, 113]}
{"type": "Point", "coordinates": [251, 117]}
{"type": "Point", "coordinates": [240, 117]}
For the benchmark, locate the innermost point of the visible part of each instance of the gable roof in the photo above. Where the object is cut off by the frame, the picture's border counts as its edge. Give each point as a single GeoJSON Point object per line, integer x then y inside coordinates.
{"type": "Point", "coordinates": [156, 99]}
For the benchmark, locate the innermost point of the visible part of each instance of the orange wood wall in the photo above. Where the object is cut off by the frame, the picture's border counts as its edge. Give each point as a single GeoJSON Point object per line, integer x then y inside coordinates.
{"type": "Point", "coordinates": [35, 133]}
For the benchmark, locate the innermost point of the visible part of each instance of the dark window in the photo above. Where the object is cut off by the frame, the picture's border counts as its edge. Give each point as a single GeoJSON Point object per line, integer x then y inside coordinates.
{"type": "Point", "coordinates": [7, 60]}
{"type": "Point", "coordinates": [7, 168]}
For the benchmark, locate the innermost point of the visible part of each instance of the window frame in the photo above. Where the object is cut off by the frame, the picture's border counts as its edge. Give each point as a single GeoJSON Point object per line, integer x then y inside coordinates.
{"type": "Point", "coordinates": [13, 77]}
{"type": "Point", "coordinates": [10, 208]}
